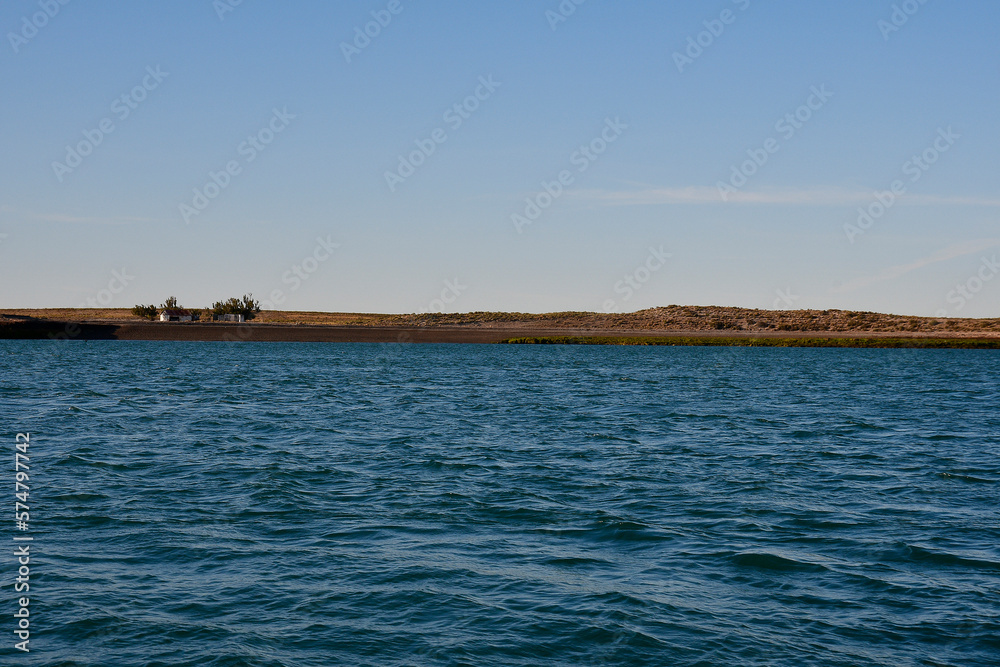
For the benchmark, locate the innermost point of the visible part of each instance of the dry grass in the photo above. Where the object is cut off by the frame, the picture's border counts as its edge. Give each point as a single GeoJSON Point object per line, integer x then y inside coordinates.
{"type": "Point", "coordinates": [670, 318]}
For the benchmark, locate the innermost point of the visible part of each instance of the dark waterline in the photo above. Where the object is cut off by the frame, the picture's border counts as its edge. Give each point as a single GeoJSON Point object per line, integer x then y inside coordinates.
{"type": "Point", "coordinates": [365, 504]}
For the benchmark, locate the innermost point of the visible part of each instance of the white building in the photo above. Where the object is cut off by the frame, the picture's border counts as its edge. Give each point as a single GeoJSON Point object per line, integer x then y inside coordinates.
{"type": "Point", "coordinates": [175, 315]}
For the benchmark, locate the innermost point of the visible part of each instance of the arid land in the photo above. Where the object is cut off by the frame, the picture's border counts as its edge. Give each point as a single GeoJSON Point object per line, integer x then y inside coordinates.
{"type": "Point", "coordinates": [676, 325]}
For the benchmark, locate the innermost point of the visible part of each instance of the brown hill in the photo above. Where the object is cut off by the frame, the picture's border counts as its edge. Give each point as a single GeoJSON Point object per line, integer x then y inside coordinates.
{"type": "Point", "coordinates": [669, 318]}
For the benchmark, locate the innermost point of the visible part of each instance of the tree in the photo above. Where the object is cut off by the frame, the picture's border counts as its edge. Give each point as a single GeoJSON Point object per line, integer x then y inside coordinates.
{"type": "Point", "coordinates": [149, 312]}
{"type": "Point", "coordinates": [171, 302]}
{"type": "Point", "coordinates": [247, 307]}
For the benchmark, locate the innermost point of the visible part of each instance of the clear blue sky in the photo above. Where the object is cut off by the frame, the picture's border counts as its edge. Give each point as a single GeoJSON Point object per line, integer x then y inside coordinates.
{"type": "Point", "coordinates": [668, 131]}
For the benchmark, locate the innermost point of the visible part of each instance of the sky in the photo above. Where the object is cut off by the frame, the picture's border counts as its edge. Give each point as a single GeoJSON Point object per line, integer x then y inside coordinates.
{"type": "Point", "coordinates": [403, 156]}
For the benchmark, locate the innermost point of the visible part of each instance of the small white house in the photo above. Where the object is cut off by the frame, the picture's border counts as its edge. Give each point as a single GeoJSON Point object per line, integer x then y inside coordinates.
{"type": "Point", "coordinates": [175, 315]}
{"type": "Point", "coordinates": [230, 317]}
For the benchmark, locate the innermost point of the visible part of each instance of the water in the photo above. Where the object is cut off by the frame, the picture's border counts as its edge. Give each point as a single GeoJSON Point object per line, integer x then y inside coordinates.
{"type": "Point", "coordinates": [322, 504]}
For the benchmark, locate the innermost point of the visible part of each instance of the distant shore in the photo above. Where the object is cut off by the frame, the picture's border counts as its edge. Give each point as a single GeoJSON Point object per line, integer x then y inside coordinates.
{"type": "Point", "coordinates": [674, 325]}
{"type": "Point", "coordinates": [872, 342]}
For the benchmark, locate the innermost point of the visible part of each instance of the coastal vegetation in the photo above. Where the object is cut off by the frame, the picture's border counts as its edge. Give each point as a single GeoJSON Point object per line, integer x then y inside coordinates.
{"type": "Point", "coordinates": [674, 321]}
{"type": "Point", "coordinates": [246, 306]}
{"type": "Point", "coordinates": [731, 341]}
{"type": "Point", "coordinates": [146, 312]}
{"type": "Point", "coordinates": [151, 312]}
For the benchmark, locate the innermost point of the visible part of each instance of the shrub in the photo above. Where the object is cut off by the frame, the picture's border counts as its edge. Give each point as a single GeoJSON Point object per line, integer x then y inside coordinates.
{"type": "Point", "coordinates": [148, 312]}
{"type": "Point", "coordinates": [247, 307]}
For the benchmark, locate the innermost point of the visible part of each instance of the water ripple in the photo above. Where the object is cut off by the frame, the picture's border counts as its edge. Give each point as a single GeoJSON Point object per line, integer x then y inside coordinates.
{"type": "Point", "coordinates": [317, 504]}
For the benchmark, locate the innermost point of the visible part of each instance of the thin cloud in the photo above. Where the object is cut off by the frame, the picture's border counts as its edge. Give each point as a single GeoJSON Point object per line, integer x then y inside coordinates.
{"type": "Point", "coordinates": [796, 197]}
{"type": "Point", "coordinates": [894, 272]}
{"type": "Point", "coordinates": [75, 219]}
{"type": "Point", "coordinates": [936, 199]}
{"type": "Point", "coordinates": [14, 216]}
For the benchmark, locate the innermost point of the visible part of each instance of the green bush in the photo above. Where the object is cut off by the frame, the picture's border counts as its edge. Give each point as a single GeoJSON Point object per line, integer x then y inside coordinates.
{"type": "Point", "coordinates": [247, 307]}
{"type": "Point", "coordinates": [148, 312]}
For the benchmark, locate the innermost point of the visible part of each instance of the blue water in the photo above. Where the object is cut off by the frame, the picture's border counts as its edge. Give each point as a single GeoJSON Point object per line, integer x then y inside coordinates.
{"type": "Point", "coordinates": [339, 504]}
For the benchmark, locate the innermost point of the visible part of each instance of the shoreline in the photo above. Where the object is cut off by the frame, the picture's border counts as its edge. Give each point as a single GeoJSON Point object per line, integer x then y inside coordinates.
{"type": "Point", "coordinates": [37, 329]}
{"type": "Point", "coordinates": [867, 342]}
